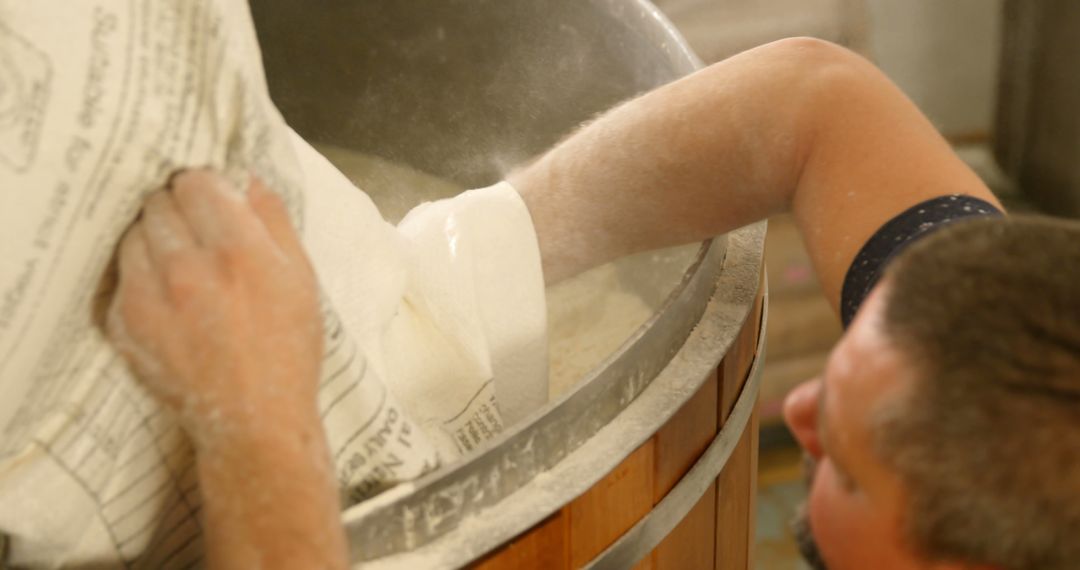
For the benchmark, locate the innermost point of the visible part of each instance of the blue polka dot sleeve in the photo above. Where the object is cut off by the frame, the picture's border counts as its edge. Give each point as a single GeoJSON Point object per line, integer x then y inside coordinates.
{"type": "Point", "coordinates": [898, 233]}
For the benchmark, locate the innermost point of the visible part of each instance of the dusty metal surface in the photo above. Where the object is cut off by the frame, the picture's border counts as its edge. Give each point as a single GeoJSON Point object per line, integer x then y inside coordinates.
{"type": "Point", "coordinates": [460, 89]}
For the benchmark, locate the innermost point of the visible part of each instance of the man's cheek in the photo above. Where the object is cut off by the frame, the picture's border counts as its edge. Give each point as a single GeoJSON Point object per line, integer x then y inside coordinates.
{"type": "Point", "coordinates": [825, 511]}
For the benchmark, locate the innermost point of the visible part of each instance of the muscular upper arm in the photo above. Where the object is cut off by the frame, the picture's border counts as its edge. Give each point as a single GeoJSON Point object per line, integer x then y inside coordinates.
{"type": "Point", "coordinates": [871, 155]}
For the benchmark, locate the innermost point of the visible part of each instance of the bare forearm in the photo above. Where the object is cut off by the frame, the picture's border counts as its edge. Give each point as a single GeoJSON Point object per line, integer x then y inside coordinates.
{"type": "Point", "coordinates": [797, 125]}
{"type": "Point", "coordinates": [269, 497]}
{"type": "Point", "coordinates": [709, 153]}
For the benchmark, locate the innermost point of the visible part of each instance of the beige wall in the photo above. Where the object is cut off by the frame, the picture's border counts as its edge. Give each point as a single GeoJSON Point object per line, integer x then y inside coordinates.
{"type": "Point", "coordinates": [720, 28]}
{"type": "Point", "coordinates": [944, 55]}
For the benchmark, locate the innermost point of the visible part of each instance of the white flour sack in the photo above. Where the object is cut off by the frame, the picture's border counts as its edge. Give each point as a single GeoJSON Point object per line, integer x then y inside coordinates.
{"type": "Point", "coordinates": [435, 329]}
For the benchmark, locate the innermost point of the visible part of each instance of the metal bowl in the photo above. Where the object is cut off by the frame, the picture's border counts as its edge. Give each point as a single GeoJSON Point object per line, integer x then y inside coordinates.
{"type": "Point", "coordinates": [466, 90]}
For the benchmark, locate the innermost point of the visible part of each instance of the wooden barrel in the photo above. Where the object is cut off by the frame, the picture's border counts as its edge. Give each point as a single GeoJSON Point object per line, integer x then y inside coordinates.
{"type": "Point", "coordinates": [712, 528]}
{"type": "Point", "coordinates": [667, 482]}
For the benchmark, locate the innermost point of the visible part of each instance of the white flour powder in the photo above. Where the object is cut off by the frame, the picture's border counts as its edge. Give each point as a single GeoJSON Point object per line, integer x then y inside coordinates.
{"type": "Point", "coordinates": [589, 315]}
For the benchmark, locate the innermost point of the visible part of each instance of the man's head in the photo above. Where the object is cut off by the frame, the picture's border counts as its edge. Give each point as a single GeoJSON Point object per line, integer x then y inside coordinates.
{"type": "Point", "coordinates": [946, 426]}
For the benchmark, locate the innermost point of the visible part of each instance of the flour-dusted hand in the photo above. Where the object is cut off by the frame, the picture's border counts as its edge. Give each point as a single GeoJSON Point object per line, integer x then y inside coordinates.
{"type": "Point", "coordinates": [217, 311]}
{"type": "Point", "coordinates": [217, 307]}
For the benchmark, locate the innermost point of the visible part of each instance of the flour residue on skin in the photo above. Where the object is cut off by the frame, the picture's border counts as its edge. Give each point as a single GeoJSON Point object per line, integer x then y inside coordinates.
{"type": "Point", "coordinates": [589, 316]}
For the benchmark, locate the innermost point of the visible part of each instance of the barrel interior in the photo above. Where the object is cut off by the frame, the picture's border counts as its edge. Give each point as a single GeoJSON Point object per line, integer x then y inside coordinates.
{"type": "Point", "coordinates": [460, 89]}
{"type": "Point", "coordinates": [457, 92]}
{"type": "Point", "coordinates": [419, 101]}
